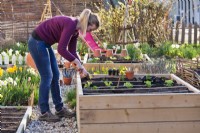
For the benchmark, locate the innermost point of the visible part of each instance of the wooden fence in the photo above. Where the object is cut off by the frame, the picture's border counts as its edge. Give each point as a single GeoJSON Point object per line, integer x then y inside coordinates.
{"type": "Point", "coordinates": [185, 34]}
{"type": "Point", "coordinates": [19, 17]}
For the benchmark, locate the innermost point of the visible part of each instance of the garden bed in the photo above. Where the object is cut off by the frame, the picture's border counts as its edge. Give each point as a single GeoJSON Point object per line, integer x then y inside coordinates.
{"type": "Point", "coordinates": [140, 109]}
{"type": "Point", "coordinates": [103, 62]}
{"type": "Point", "coordinates": [14, 118]}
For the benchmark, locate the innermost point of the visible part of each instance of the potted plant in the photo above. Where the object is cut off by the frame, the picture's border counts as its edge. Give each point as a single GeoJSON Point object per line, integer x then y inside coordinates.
{"type": "Point", "coordinates": [97, 53]}
{"type": "Point", "coordinates": [67, 76]}
{"type": "Point", "coordinates": [124, 53]}
{"type": "Point", "coordinates": [129, 74]}
{"type": "Point", "coordinates": [67, 64]}
{"type": "Point", "coordinates": [109, 53]}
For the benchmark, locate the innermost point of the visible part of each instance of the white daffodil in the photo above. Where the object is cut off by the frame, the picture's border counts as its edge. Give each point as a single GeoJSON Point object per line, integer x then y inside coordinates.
{"type": "Point", "coordinates": [1, 83]}
{"type": "Point", "coordinates": [32, 71]}
{"type": "Point", "coordinates": [5, 82]}
{"type": "Point", "coordinates": [9, 80]}
{"type": "Point", "coordinates": [14, 83]}
{"type": "Point", "coordinates": [4, 53]}
{"type": "Point", "coordinates": [10, 52]}
{"type": "Point", "coordinates": [29, 79]}
{"type": "Point", "coordinates": [18, 44]}
{"type": "Point", "coordinates": [16, 52]}
{"type": "Point", "coordinates": [175, 46]}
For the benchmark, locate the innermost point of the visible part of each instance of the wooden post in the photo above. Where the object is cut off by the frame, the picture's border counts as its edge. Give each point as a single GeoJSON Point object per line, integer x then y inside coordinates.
{"type": "Point", "coordinates": [195, 33]}
{"type": "Point", "coordinates": [177, 31]}
{"type": "Point", "coordinates": [183, 33]}
{"type": "Point", "coordinates": [171, 34]}
{"type": "Point", "coordinates": [190, 34]}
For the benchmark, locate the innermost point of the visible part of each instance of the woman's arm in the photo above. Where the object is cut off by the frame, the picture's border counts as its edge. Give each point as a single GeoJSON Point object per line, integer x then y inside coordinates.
{"type": "Point", "coordinates": [64, 41]}
{"type": "Point", "coordinates": [72, 46]}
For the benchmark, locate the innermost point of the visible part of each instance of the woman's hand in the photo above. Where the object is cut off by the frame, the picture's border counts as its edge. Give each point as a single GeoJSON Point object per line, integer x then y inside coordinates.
{"type": "Point", "coordinates": [83, 72]}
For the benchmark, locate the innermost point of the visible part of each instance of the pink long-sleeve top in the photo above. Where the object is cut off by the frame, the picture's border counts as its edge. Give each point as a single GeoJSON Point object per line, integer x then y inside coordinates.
{"type": "Point", "coordinates": [61, 30]}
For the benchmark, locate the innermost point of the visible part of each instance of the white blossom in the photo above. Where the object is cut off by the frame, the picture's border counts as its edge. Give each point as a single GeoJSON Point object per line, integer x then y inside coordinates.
{"type": "Point", "coordinates": [18, 44]}
{"type": "Point", "coordinates": [10, 52]}
{"type": "Point", "coordinates": [9, 80]}
{"type": "Point", "coordinates": [16, 52]}
{"type": "Point", "coordinates": [175, 46]}
{"type": "Point", "coordinates": [14, 83]}
{"type": "Point", "coordinates": [4, 53]}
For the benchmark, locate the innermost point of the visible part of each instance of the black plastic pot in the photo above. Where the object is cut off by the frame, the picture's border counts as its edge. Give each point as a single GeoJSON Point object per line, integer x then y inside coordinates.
{"type": "Point", "coordinates": [110, 72]}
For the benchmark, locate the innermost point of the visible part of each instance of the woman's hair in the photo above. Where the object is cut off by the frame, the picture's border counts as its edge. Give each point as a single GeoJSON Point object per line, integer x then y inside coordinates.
{"type": "Point", "coordinates": [87, 18]}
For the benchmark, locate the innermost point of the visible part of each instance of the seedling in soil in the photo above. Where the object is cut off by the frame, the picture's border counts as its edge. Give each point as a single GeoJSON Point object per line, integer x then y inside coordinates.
{"type": "Point", "coordinates": [108, 61]}
{"type": "Point", "coordinates": [128, 85]}
{"type": "Point", "coordinates": [169, 83]}
{"type": "Point", "coordinates": [148, 84]}
{"type": "Point", "coordinates": [94, 87]}
{"type": "Point", "coordinates": [127, 57]}
{"type": "Point", "coordinates": [113, 58]}
{"type": "Point", "coordinates": [108, 83]}
{"type": "Point", "coordinates": [112, 87]}
{"type": "Point", "coordinates": [87, 85]}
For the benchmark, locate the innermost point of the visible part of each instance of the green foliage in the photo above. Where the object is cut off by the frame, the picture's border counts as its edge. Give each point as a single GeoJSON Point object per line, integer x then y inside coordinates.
{"type": "Point", "coordinates": [22, 48]}
{"type": "Point", "coordinates": [134, 53]}
{"type": "Point", "coordinates": [93, 60]}
{"type": "Point", "coordinates": [148, 84]}
{"type": "Point", "coordinates": [108, 83]}
{"type": "Point", "coordinates": [81, 48]}
{"type": "Point", "coordinates": [88, 84]}
{"type": "Point", "coordinates": [128, 85]}
{"type": "Point", "coordinates": [169, 83]}
{"type": "Point", "coordinates": [149, 17]}
{"type": "Point", "coordinates": [17, 85]}
{"type": "Point", "coordinates": [94, 87]}
{"type": "Point", "coordinates": [71, 98]}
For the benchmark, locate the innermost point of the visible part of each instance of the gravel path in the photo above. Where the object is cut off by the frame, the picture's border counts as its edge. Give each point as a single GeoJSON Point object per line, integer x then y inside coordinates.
{"type": "Point", "coordinates": [66, 125]}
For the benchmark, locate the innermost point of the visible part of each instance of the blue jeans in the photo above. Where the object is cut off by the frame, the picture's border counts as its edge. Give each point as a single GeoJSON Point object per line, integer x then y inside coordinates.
{"type": "Point", "coordinates": [46, 64]}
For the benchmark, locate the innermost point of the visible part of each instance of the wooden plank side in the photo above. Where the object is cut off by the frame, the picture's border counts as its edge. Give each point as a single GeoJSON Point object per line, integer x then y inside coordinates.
{"type": "Point", "coordinates": [190, 34]}
{"type": "Point", "coordinates": [195, 33]}
{"type": "Point", "coordinates": [79, 92]}
{"type": "Point", "coordinates": [183, 33]}
{"type": "Point", "coordinates": [177, 32]}
{"type": "Point", "coordinates": [165, 127]}
{"type": "Point", "coordinates": [139, 101]}
{"type": "Point", "coordinates": [139, 115]}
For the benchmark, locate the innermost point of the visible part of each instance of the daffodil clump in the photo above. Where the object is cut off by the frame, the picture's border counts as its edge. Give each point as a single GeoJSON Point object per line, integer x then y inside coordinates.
{"type": "Point", "coordinates": [17, 84]}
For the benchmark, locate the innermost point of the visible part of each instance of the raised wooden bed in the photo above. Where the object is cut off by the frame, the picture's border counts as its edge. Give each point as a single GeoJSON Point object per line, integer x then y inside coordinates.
{"type": "Point", "coordinates": [139, 112]}
{"type": "Point", "coordinates": [14, 119]}
{"type": "Point", "coordinates": [97, 66]}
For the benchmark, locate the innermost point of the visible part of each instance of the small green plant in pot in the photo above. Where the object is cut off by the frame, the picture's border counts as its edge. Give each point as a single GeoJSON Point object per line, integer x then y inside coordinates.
{"type": "Point", "coordinates": [67, 75]}
{"type": "Point", "coordinates": [129, 74]}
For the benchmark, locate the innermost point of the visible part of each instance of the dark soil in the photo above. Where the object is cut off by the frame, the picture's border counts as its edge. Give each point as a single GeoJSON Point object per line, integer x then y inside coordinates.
{"type": "Point", "coordinates": [11, 118]}
{"type": "Point", "coordinates": [158, 85]}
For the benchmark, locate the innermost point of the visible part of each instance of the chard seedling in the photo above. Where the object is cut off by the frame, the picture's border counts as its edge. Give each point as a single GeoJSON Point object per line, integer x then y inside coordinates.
{"type": "Point", "coordinates": [128, 85]}
{"type": "Point", "coordinates": [94, 87]}
{"type": "Point", "coordinates": [148, 84]}
{"type": "Point", "coordinates": [169, 83]}
{"type": "Point", "coordinates": [87, 85]}
{"type": "Point", "coordinates": [108, 83]}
